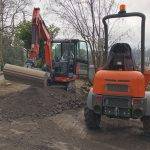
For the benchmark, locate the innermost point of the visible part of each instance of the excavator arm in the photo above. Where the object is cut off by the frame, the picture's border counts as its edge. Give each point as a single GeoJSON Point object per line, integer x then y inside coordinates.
{"type": "Point", "coordinates": [33, 76]}
{"type": "Point", "coordinates": [40, 31]}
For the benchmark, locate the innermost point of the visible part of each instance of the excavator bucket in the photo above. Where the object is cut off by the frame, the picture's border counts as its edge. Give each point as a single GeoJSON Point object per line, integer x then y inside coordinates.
{"type": "Point", "coordinates": [25, 75]}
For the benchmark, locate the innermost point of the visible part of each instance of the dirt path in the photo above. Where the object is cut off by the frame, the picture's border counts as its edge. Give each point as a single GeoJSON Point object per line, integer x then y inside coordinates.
{"type": "Point", "coordinates": [67, 131]}
{"type": "Point", "coordinates": [26, 123]}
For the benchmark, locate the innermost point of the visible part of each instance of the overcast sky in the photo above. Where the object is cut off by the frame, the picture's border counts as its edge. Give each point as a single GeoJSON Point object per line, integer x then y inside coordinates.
{"type": "Point", "coordinates": [133, 24]}
{"type": "Point", "coordinates": [140, 6]}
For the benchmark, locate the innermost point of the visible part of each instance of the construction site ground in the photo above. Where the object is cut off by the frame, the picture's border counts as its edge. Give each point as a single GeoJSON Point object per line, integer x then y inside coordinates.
{"type": "Point", "coordinates": [34, 118]}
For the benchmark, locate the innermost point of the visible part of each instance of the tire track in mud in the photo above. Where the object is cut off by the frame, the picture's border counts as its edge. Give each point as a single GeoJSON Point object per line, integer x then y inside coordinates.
{"type": "Point", "coordinates": [114, 135]}
{"type": "Point", "coordinates": [67, 121]}
{"type": "Point", "coordinates": [67, 131]}
{"type": "Point", "coordinates": [72, 124]}
{"type": "Point", "coordinates": [75, 126]}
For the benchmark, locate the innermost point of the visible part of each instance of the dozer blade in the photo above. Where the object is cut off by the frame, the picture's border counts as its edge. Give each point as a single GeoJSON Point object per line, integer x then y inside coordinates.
{"type": "Point", "coordinates": [25, 75]}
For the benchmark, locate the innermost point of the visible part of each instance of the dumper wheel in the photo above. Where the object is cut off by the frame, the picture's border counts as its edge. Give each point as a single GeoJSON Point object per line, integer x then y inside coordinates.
{"type": "Point", "coordinates": [92, 119]}
{"type": "Point", "coordinates": [146, 124]}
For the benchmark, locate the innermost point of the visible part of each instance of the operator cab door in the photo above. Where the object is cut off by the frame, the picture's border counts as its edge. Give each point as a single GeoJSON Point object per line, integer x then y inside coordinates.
{"type": "Point", "coordinates": [74, 54]}
{"type": "Point", "coordinates": [68, 55]}
{"type": "Point", "coordinates": [82, 59]}
{"type": "Point", "coordinates": [64, 58]}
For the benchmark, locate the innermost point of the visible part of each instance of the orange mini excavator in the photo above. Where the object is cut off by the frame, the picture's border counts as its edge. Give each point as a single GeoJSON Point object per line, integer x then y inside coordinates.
{"type": "Point", "coordinates": [59, 65]}
{"type": "Point", "coordinates": [119, 88]}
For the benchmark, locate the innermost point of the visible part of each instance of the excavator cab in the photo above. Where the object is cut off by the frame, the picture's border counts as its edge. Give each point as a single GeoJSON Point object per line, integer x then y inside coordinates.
{"type": "Point", "coordinates": [67, 57]}
{"type": "Point", "coordinates": [119, 88]}
{"type": "Point", "coordinates": [64, 52]}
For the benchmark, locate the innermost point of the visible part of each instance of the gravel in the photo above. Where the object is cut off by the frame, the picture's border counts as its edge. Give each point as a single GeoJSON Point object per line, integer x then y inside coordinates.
{"type": "Point", "coordinates": [37, 102]}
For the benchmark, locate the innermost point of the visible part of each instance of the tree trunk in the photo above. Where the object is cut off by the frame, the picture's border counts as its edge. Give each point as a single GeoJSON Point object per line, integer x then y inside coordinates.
{"type": "Point", "coordinates": [1, 34]}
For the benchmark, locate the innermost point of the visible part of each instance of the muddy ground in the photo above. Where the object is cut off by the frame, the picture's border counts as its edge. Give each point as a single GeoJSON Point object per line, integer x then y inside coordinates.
{"type": "Point", "coordinates": [49, 119]}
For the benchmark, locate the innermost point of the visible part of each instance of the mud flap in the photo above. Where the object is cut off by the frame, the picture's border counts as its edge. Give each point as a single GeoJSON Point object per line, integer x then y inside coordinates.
{"type": "Point", "coordinates": [89, 99]}
{"type": "Point", "coordinates": [147, 104]}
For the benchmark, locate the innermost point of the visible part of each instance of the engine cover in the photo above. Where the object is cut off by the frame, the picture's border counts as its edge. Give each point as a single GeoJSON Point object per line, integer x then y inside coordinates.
{"type": "Point", "coordinates": [119, 83]}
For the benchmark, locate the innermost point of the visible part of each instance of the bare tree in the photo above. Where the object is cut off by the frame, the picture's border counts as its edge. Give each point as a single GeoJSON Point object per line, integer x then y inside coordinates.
{"type": "Point", "coordinates": [85, 16]}
{"type": "Point", "coordinates": [10, 12]}
{"type": "Point", "coordinates": [1, 26]}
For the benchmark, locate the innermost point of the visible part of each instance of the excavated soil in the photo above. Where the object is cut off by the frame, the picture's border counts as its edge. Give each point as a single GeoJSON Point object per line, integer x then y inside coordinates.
{"type": "Point", "coordinates": [38, 102]}
{"type": "Point", "coordinates": [28, 121]}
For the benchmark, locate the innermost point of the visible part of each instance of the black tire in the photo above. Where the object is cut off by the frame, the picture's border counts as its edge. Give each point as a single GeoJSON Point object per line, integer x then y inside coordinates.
{"type": "Point", "coordinates": [92, 119]}
{"type": "Point", "coordinates": [146, 124]}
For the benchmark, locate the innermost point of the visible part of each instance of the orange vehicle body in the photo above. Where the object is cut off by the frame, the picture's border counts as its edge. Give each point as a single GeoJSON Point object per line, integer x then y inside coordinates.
{"type": "Point", "coordinates": [120, 86]}
{"type": "Point", "coordinates": [134, 80]}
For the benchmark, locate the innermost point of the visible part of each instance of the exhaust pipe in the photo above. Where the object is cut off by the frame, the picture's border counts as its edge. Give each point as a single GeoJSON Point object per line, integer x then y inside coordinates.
{"type": "Point", "coordinates": [25, 75]}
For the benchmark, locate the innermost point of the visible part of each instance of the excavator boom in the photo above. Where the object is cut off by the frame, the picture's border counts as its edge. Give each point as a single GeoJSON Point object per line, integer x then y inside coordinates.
{"type": "Point", "coordinates": [40, 31]}
{"type": "Point", "coordinates": [33, 76]}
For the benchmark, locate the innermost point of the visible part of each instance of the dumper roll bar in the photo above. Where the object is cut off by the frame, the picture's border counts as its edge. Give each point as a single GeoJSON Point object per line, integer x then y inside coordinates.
{"type": "Point", "coordinates": [123, 15]}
